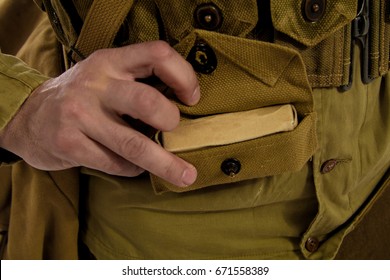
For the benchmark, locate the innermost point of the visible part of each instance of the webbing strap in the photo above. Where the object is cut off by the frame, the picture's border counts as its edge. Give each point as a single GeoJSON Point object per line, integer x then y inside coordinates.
{"type": "Point", "coordinates": [101, 25]}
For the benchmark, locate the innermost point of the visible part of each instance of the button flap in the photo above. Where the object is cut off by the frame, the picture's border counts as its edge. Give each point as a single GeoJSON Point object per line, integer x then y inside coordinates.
{"type": "Point", "coordinates": [289, 18]}
{"type": "Point", "coordinates": [260, 64]}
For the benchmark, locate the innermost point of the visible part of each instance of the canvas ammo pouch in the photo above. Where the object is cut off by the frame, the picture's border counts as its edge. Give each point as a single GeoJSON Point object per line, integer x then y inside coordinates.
{"type": "Point", "coordinates": [239, 71]}
{"type": "Point", "coordinates": [241, 83]}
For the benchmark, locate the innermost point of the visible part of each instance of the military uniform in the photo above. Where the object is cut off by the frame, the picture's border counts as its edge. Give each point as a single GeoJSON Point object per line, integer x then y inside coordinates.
{"type": "Point", "coordinates": [293, 194]}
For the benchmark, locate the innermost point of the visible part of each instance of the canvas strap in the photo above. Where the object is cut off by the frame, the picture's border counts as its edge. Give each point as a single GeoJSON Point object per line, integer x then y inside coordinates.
{"type": "Point", "coordinates": [101, 26]}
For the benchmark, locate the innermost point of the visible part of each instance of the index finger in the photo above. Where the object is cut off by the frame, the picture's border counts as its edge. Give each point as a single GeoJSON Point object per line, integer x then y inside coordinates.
{"type": "Point", "coordinates": [139, 150]}
{"type": "Point", "coordinates": [159, 59]}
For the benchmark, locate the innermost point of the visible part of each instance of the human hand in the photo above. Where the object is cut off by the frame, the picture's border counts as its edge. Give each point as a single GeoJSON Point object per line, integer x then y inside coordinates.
{"type": "Point", "coordinates": [76, 119]}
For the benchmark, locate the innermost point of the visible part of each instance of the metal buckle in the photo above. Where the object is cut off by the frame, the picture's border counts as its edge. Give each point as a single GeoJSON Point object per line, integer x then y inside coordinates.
{"type": "Point", "coordinates": [360, 34]}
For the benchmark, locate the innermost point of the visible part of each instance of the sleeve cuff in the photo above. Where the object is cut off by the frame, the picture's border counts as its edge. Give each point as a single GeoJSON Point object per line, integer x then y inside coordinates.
{"type": "Point", "coordinates": [17, 81]}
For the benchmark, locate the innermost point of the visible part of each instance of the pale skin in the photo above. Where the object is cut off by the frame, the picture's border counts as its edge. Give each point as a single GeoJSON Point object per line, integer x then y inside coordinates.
{"type": "Point", "coordinates": [75, 120]}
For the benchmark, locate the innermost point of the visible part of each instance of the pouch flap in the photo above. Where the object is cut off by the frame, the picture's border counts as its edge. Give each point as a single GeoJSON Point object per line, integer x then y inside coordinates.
{"type": "Point", "coordinates": [288, 17]}
{"type": "Point", "coordinates": [238, 18]}
{"type": "Point", "coordinates": [259, 75]}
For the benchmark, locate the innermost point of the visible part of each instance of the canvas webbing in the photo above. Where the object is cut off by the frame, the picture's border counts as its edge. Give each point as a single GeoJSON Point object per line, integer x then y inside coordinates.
{"type": "Point", "coordinates": [104, 19]}
{"type": "Point", "coordinates": [101, 26]}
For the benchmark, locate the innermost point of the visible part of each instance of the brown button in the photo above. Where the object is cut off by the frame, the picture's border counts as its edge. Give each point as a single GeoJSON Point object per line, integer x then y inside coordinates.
{"type": "Point", "coordinates": [231, 167]}
{"type": "Point", "coordinates": [208, 16]}
{"type": "Point", "coordinates": [202, 58]}
{"type": "Point", "coordinates": [329, 165]}
{"type": "Point", "coordinates": [313, 10]}
{"type": "Point", "coordinates": [312, 244]}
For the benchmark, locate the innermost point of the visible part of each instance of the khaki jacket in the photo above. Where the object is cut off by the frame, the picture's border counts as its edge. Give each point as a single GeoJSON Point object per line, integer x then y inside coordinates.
{"type": "Point", "coordinates": [42, 220]}
{"type": "Point", "coordinates": [25, 204]}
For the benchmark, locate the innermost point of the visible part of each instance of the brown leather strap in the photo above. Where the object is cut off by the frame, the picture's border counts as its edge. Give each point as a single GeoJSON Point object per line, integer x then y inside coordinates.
{"type": "Point", "coordinates": [101, 26]}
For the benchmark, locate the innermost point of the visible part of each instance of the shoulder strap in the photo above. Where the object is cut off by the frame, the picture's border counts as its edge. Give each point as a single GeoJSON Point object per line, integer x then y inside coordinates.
{"type": "Point", "coordinates": [101, 25]}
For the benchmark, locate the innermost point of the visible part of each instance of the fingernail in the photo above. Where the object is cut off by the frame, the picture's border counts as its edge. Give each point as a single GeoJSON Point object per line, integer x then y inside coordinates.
{"type": "Point", "coordinates": [195, 96]}
{"type": "Point", "coordinates": [189, 176]}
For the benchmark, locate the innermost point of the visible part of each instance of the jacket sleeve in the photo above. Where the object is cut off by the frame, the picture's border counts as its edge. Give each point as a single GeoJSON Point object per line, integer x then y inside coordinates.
{"type": "Point", "coordinates": [17, 81]}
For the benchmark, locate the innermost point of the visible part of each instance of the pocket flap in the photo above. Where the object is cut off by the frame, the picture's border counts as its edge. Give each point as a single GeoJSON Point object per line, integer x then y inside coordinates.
{"type": "Point", "coordinates": [288, 17]}
{"type": "Point", "coordinates": [259, 75]}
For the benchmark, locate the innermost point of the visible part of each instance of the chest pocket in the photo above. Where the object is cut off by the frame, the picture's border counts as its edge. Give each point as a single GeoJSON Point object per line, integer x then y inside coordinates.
{"type": "Point", "coordinates": [235, 18]}
{"type": "Point", "coordinates": [311, 21]}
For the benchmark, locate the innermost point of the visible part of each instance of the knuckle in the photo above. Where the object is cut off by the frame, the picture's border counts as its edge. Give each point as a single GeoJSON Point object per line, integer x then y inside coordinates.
{"type": "Point", "coordinates": [119, 168]}
{"type": "Point", "coordinates": [113, 167]}
{"type": "Point", "coordinates": [145, 103]}
{"type": "Point", "coordinates": [170, 169]}
{"type": "Point", "coordinates": [148, 105]}
{"type": "Point", "coordinates": [95, 66]}
{"type": "Point", "coordinates": [136, 171]}
{"type": "Point", "coordinates": [98, 55]}
{"type": "Point", "coordinates": [85, 76]}
{"type": "Point", "coordinates": [161, 50]}
{"type": "Point", "coordinates": [133, 147]}
{"type": "Point", "coordinates": [174, 119]}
